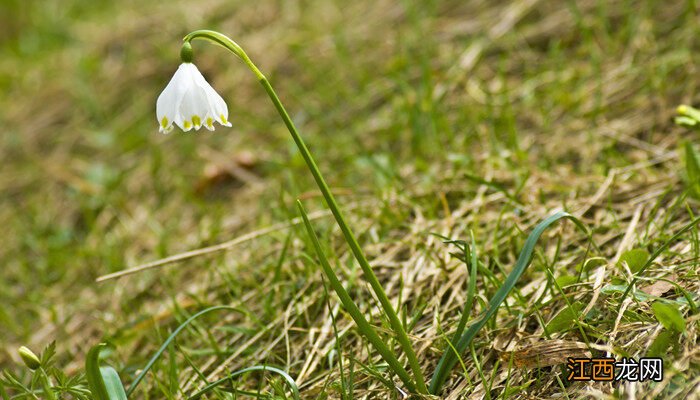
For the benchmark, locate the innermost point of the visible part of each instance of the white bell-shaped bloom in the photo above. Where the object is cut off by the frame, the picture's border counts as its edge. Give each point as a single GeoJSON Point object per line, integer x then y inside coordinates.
{"type": "Point", "coordinates": [189, 101]}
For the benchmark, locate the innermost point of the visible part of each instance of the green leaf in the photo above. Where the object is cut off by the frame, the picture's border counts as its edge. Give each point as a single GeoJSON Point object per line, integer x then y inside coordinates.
{"type": "Point", "coordinates": [661, 343]}
{"type": "Point", "coordinates": [104, 382]}
{"type": "Point", "coordinates": [591, 263]}
{"type": "Point", "coordinates": [692, 170]}
{"type": "Point", "coordinates": [620, 288]}
{"type": "Point", "coordinates": [669, 316]}
{"type": "Point", "coordinates": [689, 112]}
{"type": "Point", "coordinates": [565, 318]}
{"type": "Point", "coordinates": [3, 392]}
{"type": "Point", "coordinates": [685, 121]}
{"type": "Point", "coordinates": [566, 280]}
{"type": "Point", "coordinates": [449, 358]}
{"type": "Point", "coordinates": [94, 376]}
{"type": "Point", "coordinates": [651, 259]}
{"type": "Point", "coordinates": [113, 384]}
{"type": "Point", "coordinates": [471, 288]}
{"type": "Point", "coordinates": [635, 259]}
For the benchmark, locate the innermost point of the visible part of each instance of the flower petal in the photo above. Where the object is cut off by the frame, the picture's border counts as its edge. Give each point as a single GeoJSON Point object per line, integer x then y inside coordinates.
{"type": "Point", "coordinates": [189, 101]}
{"type": "Point", "coordinates": [209, 122]}
{"type": "Point", "coordinates": [169, 100]}
{"type": "Point", "coordinates": [194, 106]}
{"type": "Point", "coordinates": [218, 110]}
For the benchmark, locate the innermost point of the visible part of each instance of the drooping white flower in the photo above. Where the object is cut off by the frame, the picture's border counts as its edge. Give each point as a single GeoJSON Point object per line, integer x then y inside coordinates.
{"type": "Point", "coordinates": [189, 101]}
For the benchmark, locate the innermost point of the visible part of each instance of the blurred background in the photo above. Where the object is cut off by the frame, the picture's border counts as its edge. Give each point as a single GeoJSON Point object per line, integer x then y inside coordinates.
{"type": "Point", "coordinates": [398, 100]}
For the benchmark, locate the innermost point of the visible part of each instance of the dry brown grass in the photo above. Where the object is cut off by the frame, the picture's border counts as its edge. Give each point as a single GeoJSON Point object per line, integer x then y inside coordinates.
{"type": "Point", "coordinates": [560, 111]}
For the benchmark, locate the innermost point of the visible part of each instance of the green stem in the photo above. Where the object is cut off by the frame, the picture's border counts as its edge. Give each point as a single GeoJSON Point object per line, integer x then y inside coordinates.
{"type": "Point", "coordinates": [46, 384]}
{"type": "Point", "coordinates": [362, 325]}
{"type": "Point", "coordinates": [396, 324]}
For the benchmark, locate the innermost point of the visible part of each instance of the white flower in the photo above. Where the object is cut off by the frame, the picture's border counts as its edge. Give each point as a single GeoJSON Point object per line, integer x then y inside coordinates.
{"type": "Point", "coordinates": [190, 102]}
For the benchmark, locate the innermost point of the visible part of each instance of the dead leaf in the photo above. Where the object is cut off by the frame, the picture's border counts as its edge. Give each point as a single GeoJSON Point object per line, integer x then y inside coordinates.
{"type": "Point", "coordinates": [659, 288]}
{"type": "Point", "coordinates": [546, 353]}
{"type": "Point", "coordinates": [223, 171]}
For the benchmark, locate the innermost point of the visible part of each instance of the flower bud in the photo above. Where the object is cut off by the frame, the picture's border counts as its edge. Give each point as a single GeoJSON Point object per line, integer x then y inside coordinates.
{"type": "Point", "coordinates": [186, 54]}
{"type": "Point", "coordinates": [30, 359]}
{"type": "Point", "coordinates": [688, 111]}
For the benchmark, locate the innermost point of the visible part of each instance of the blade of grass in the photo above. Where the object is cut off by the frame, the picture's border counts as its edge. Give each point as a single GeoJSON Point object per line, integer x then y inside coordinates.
{"type": "Point", "coordinates": [292, 383]}
{"type": "Point", "coordinates": [368, 273]}
{"type": "Point", "coordinates": [278, 272]}
{"type": "Point", "coordinates": [549, 269]}
{"type": "Point", "coordinates": [493, 185]}
{"type": "Point", "coordinates": [3, 392]}
{"type": "Point", "coordinates": [480, 371]}
{"type": "Point", "coordinates": [448, 359]}
{"type": "Point", "coordinates": [343, 383]}
{"type": "Point", "coordinates": [187, 356]}
{"type": "Point", "coordinates": [651, 259]}
{"type": "Point", "coordinates": [459, 358]}
{"type": "Point", "coordinates": [362, 325]}
{"type": "Point", "coordinates": [471, 290]}
{"type": "Point", "coordinates": [169, 340]}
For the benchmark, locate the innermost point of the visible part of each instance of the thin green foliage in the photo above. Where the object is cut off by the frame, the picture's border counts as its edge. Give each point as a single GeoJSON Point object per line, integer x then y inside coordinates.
{"type": "Point", "coordinates": [338, 348]}
{"type": "Point", "coordinates": [687, 116]}
{"type": "Point", "coordinates": [471, 289]}
{"type": "Point", "coordinates": [480, 371]}
{"type": "Point", "coordinates": [465, 370]}
{"type": "Point", "coordinates": [573, 308]}
{"type": "Point", "coordinates": [290, 381]}
{"type": "Point", "coordinates": [414, 114]}
{"type": "Point", "coordinates": [274, 292]}
{"type": "Point", "coordinates": [692, 170]}
{"type": "Point", "coordinates": [653, 257]}
{"type": "Point", "coordinates": [395, 322]}
{"type": "Point", "coordinates": [169, 340]}
{"type": "Point", "coordinates": [363, 326]}
{"type": "Point", "coordinates": [47, 381]}
{"type": "Point", "coordinates": [448, 359]}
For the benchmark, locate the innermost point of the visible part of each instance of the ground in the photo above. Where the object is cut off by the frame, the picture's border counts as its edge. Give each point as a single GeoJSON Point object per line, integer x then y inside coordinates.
{"type": "Point", "coordinates": [430, 120]}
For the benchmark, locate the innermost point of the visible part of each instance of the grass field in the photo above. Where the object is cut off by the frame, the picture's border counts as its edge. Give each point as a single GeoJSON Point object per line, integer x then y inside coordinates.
{"type": "Point", "coordinates": [432, 121]}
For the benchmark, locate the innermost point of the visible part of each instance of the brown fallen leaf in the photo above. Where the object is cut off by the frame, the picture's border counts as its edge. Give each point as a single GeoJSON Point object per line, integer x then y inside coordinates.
{"type": "Point", "coordinates": [238, 171]}
{"type": "Point", "coordinates": [659, 288]}
{"type": "Point", "coordinates": [546, 353]}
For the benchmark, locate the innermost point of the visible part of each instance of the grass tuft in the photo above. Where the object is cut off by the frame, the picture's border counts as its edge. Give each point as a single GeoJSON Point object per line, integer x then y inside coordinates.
{"type": "Point", "coordinates": [431, 120]}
